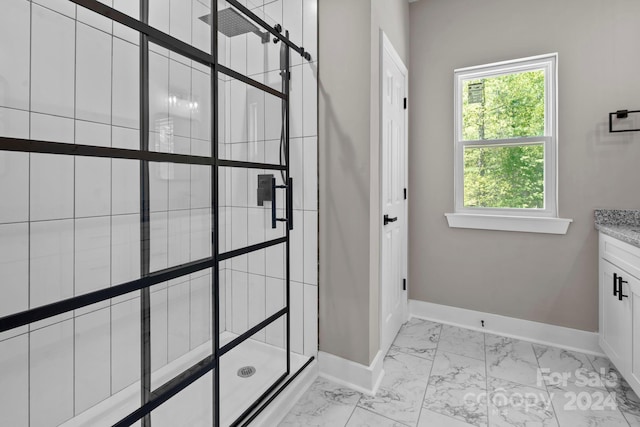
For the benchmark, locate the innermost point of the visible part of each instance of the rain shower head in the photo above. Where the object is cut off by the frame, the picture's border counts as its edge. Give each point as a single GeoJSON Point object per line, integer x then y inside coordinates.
{"type": "Point", "coordinates": [231, 24]}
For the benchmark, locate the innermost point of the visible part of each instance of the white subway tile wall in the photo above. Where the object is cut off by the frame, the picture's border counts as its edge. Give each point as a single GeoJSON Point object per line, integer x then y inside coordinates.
{"type": "Point", "coordinates": [14, 267]}
{"type": "Point", "coordinates": [14, 369]}
{"type": "Point", "coordinates": [253, 129]}
{"type": "Point", "coordinates": [71, 225]}
{"type": "Point", "coordinates": [51, 374]}
{"type": "Point", "coordinates": [92, 360]}
{"type": "Point", "coordinates": [159, 327]}
{"type": "Point", "coordinates": [15, 40]}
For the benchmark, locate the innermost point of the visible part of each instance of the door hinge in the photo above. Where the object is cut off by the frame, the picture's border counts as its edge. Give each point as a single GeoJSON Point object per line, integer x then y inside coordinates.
{"type": "Point", "coordinates": [405, 194]}
{"type": "Point", "coordinates": [404, 284]}
{"type": "Point", "coordinates": [405, 103]}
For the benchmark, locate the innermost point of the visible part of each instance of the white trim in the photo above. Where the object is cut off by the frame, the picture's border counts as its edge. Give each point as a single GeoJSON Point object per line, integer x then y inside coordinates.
{"type": "Point", "coordinates": [278, 409]}
{"type": "Point", "coordinates": [528, 140]}
{"type": "Point", "coordinates": [386, 44]}
{"type": "Point", "coordinates": [511, 64]}
{"type": "Point", "coordinates": [525, 224]}
{"type": "Point", "coordinates": [365, 379]}
{"type": "Point", "coordinates": [547, 63]}
{"type": "Point", "coordinates": [539, 333]}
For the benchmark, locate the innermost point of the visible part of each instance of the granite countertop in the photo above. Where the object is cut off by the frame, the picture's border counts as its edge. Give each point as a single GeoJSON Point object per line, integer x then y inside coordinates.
{"type": "Point", "coordinates": [621, 224]}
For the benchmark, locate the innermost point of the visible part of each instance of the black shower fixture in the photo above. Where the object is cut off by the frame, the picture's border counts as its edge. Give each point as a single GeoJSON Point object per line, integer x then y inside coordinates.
{"type": "Point", "coordinates": [231, 24]}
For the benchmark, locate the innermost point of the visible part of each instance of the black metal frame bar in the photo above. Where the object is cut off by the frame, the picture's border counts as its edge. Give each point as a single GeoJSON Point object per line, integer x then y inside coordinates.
{"type": "Point", "coordinates": [145, 221]}
{"type": "Point", "coordinates": [269, 28]}
{"type": "Point", "coordinates": [172, 389]}
{"type": "Point", "coordinates": [194, 373]}
{"type": "Point", "coordinates": [176, 45]}
{"type": "Point", "coordinates": [252, 248]}
{"type": "Point", "coordinates": [271, 398]}
{"type": "Point", "coordinates": [286, 79]}
{"type": "Point", "coordinates": [261, 398]}
{"type": "Point", "coordinates": [62, 148]}
{"type": "Point", "coordinates": [151, 399]}
{"type": "Point", "coordinates": [32, 315]}
{"type": "Point", "coordinates": [156, 36]}
{"type": "Point", "coordinates": [215, 237]}
{"type": "Point", "coordinates": [23, 318]}
{"type": "Point", "coordinates": [248, 80]}
{"type": "Point", "coordinates": [44, 147]}
{"type": "Point", "coordinates": [248, 165]}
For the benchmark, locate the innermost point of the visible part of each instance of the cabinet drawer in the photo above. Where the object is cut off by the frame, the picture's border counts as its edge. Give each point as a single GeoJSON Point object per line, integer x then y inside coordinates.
{"type": "Point", "coordinates": [624, 255]}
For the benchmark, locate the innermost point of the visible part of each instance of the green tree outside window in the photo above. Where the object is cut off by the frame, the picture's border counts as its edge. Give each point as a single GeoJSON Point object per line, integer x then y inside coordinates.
{"type": "Point", "coordinates": [504, 107]}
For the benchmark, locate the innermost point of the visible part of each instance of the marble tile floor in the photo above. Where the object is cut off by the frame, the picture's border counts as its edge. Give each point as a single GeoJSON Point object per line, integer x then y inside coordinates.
{"type": "Point", "coordinates": [445, 376]}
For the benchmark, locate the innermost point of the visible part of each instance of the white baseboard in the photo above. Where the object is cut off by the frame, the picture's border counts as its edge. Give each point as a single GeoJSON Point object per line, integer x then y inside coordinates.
{"type": "Point", "coordinates": [539, 333]}
{"type": "Point", "coordinates": [365, 379]}
{"type": "Point", "coordinates": [273, 414]}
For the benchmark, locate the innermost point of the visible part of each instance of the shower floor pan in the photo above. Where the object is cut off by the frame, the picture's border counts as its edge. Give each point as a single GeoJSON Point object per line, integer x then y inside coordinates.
{"type": "Point", "coordinates": [193, 406]}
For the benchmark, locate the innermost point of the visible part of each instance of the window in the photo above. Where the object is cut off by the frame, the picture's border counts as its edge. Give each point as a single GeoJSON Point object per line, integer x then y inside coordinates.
{"type": "Point", "coordinates": [505, 147]}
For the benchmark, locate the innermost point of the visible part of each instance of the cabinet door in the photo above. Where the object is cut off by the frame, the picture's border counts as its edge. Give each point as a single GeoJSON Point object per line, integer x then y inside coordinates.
{"type": "Point", "coordinates": [615, 318]}
{"type": "Point", "coordinates": [634, 365]}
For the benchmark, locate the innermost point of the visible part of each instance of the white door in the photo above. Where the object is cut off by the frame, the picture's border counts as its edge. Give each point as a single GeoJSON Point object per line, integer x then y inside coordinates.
{"type": "Point", "coordinates": [393, 298]}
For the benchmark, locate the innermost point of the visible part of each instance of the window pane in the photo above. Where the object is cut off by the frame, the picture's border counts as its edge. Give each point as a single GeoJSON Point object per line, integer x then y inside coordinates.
{"type": "Point", "coordinates": [504, 176]}
{"type": "Point", "coordinates": [506, 106]}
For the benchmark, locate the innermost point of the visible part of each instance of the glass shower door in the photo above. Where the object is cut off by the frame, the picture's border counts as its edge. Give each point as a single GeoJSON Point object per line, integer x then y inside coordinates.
{"type": "Point", "coordinates": [254, 214]}
{"type": "Point", "coordinates": [146, 245]}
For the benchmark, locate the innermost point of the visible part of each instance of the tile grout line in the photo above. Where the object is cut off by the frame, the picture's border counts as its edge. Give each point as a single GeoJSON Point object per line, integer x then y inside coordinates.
{"type": "Point", "coordinates": [60, 116]}
{"type": "Point", "coordinates": [513, 341]}
{"type": "Point", "coordinates": [353, 410]}
{"type": "Point", "coordinates": [555, 412]}
{"type": "Point", "coordinates": [486, 374]}
{"type": "Point", "coordinates": [97, 216]}
{"type": "Point", "coordinates": [246, 256]}
{"type": "Point", "coordinates": [75, 171]}
{"type": "Point", "coordinates": [28, 329]}
{"type": "Point", "coordinates": [383, 416]}
{"type": "Point", "coordinates": [424, 396]}
{"type": "Point", "coordinates": [110, 306]}
{"type": "Point", "coordinates": [609, 392]}
{"type": "Point", "coordinates": [168, 186]}
{"type": "Point", "coordinates": [190, 175]}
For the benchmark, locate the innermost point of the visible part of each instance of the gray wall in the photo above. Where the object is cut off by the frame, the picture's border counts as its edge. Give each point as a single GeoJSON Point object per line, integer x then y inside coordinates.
{"type": "Point", "coordinates": [343, 136]}
{"type": "Point", "coordinates": [544, 278]}
{"type": "Point", "coordinates": [349, 181]}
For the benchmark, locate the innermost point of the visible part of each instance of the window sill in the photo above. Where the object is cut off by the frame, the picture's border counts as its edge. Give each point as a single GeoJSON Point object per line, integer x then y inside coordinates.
{"type": "Point", "coordinates": [524, 224]}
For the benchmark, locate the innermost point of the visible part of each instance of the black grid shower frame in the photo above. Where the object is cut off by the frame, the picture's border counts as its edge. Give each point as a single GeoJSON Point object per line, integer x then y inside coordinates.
{"type": "Point", "coordinates": [151, 399]}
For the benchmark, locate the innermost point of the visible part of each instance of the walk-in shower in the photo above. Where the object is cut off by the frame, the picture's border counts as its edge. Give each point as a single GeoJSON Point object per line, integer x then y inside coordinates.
{"type": "Point", "coordinates": [146, 261]}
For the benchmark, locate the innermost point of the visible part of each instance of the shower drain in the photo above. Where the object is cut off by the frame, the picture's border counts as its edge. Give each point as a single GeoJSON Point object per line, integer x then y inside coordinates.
{"type": "Point", "coordinates": [246, 371]}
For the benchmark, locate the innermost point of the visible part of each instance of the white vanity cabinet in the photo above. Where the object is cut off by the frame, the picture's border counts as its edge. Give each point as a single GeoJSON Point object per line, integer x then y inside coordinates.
{"type": "Point", "coordinates": [620, 306]}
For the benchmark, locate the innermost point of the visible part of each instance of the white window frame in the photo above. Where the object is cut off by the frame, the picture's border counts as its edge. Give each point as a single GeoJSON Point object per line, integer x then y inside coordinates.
{"type": "Point", "coordinates": [543, 220]}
